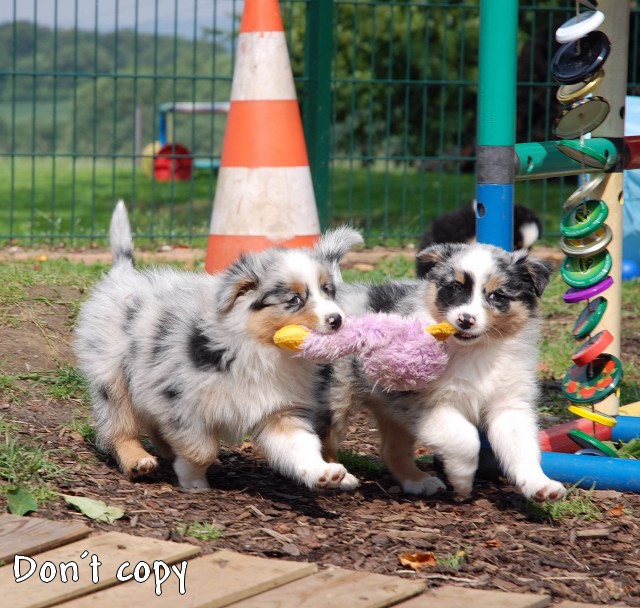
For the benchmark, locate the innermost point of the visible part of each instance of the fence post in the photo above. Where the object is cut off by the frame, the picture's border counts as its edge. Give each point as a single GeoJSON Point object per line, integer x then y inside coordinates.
{"type": "Point", "coordinates": [316, 113]}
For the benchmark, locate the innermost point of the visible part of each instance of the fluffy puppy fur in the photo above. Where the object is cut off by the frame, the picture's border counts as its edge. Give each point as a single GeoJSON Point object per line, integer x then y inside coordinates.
{"type": "Point", "coordinates": [188, 359]}
{"type": "Point", "coordinates": [490, 382]}
{"type": "Point", "coordinates": [460, 227]}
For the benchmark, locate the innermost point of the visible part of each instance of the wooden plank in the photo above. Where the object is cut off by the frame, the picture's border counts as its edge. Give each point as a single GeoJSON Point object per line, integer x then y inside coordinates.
{"type": "Point", "coordinates": [337, 588]}
{"type": "Point", "coordinates": [570, 604]}
{"type": "Point", "coordinates": [212, 581]}
{"type": "Point", "coordinates": [31, 535]}
{"type": "Point", "coordinates": [450, 596]}
{"type": "Point", "coordinates": [112, 549]}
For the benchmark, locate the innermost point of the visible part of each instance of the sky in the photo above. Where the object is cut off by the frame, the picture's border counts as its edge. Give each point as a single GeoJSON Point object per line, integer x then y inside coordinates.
{"type": "Point", "coordinates": [170, 15]}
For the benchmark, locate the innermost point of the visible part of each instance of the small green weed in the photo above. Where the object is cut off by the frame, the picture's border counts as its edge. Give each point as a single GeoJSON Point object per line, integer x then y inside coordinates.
{"type": "Point", "coordinates": [8, 388]}
{"type": "Point", "coordinates": [200, 530]}
{"type": "Point", "coordinates": [454, 560]}
{"type": "Point", "coordinates": [360, 465]}
{"type": "Point", "coordinates": [576, 504]}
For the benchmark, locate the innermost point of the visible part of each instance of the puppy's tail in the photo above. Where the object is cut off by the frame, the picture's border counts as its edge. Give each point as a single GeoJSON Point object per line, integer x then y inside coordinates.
{"type": "Point", "coordinates": [335, 244]}
{"type": "Point", "coordinates": [120, 236]}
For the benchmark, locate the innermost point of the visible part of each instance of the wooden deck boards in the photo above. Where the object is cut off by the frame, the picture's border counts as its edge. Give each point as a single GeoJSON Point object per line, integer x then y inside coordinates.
{"type": "Point", "coordinates": [172, 574]}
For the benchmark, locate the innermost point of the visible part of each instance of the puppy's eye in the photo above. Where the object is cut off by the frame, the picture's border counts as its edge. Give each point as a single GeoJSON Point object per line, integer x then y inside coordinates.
{"type": "Point", "coordinates": [454, 287]}
{"type": "Point", "coordinates": [294, 300]}
{"type": "Point", "coordinates": [497, 296]}
{"type": "Point", "coordinates": [329, 289]}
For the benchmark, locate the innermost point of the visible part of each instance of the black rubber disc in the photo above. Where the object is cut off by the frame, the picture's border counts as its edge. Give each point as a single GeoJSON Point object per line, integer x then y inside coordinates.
{"type": "Point", "coordinates": [581, 59]}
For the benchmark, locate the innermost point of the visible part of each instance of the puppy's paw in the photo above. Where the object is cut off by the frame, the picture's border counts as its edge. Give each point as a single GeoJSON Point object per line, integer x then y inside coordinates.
{"type": "Point", "coordinates": [190, 476]}
{"type": "Point", "coordinates": [349, 482]}
{"type": "Point", "coordinates": [428, 485]}
{"type": "Point", "coordinates": [144, 466]}
{"type": "Point", "coordinates": [544, 490]}
{"type": "Point", "coordinates": [332, 475]}
{"type": "Point", "coordinates": [195, 484]}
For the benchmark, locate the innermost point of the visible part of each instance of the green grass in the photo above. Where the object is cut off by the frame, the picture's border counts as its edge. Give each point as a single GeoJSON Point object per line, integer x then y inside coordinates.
{"type": "Point", "coordinates": [82, 425]}
{"type": "Point", "coordinates": [200, 530]}
{"type": "Point", "coordinates": [360, 465]}
{"type": "Point", "coordinates": [26, 464]}
{"type": "Point", "coordinates": [57, 199]}
{"type": "Point", "coordinates": [576, 504]}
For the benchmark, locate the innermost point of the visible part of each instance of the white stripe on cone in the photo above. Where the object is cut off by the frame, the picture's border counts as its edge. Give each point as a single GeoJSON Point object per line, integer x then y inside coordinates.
{"type": "Point", "coordinates": [277, 202]}
{"type": "Point", "coordinates": [262, 69]}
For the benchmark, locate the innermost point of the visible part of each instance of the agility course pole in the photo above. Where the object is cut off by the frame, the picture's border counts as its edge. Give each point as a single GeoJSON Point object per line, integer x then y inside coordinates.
{"type": "Point", "coordinates": [496, 122]}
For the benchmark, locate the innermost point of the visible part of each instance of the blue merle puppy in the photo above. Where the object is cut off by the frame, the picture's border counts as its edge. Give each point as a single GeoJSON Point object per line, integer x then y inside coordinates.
{"type": "Point", "coordinates": [188, 359]}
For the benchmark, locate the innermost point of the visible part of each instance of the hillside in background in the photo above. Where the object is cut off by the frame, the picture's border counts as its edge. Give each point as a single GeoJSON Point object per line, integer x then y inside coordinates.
{"type": "Point", "coordinates": [76, 91]}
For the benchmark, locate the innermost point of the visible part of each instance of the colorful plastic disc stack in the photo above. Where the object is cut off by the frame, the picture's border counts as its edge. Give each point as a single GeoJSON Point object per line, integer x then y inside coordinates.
{"type": "Point", "coordinates": [578, 65]}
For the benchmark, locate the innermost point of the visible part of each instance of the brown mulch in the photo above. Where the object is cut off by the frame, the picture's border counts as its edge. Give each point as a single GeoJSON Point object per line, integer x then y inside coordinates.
{"type": "Point", "coordinates": [494, 541]}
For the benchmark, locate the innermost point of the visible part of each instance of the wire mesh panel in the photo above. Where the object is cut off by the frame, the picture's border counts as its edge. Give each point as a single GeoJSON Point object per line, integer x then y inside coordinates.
{"type": "Point", "coordinates": [83, 97]}
{"type": "Point", "coordinates": [126, 99]}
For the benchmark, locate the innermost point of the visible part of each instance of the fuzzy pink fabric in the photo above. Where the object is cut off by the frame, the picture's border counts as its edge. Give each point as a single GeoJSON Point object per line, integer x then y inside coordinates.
{"type": "Point", "coordinates": [396, 352]}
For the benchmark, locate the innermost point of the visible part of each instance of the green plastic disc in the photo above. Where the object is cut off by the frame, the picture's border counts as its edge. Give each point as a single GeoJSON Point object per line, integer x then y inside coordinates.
{"type": "Point", "coordinates": [587, 441]}
{"type": "Point", "coordinates": [584, 272]}
{"type": "Point", "coordinates": [584, 219]}
{"type": "Point", "coordinates": [586, 156]}
{"type": "Point", "coordinates": [594, 381]}
{"type": "Point", "coordinates": [589, 318]}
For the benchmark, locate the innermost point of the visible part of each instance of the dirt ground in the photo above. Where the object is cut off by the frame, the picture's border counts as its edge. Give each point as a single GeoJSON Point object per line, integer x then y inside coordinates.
{"type": "Point", "coordinates": [494, 541]}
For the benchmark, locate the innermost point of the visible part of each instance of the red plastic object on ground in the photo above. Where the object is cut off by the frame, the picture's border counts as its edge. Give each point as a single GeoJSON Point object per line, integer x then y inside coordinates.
{"type": "Point", "coordinates": [556, 439]}
{"type": "Point", "coordinates": [172, 162]}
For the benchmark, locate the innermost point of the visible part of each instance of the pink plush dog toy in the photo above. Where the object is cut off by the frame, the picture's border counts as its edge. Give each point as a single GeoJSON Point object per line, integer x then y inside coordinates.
{"type": "Point", "coordinates": [396, 352]}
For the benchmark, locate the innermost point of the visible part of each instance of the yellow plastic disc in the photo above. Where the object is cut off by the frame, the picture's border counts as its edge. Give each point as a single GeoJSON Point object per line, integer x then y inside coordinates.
{"type": "Point", "coordinates": [593, 416]}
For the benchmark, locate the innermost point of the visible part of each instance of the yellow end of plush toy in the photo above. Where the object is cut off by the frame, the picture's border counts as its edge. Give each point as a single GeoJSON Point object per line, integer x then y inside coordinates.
{"type": "Point", "coordinates": [291, 336]}
{"type": "Point", "coordinates": [441, 331]}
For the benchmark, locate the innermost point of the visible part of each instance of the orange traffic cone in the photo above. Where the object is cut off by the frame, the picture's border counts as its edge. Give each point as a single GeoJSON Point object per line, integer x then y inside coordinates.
{"type": "Point", "coordinates": [264, 196]}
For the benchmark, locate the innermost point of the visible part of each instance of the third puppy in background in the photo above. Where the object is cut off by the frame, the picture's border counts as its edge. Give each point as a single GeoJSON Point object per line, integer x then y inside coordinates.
{"type": "Point", "coordinates": [460, 227]}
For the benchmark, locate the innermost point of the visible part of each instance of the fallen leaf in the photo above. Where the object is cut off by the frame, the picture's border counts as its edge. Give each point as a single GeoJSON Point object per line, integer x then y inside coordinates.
{"type": "Point", "coordinates": [616, 511]}
{"type": "Point", "coordinates": [418, 561]}
{"type": "Point", "coordinates": [493, 542]}
{"type": "Point", "coordinates": [94, 509]}
{"type": "Point", "coordinates": [21, 502]}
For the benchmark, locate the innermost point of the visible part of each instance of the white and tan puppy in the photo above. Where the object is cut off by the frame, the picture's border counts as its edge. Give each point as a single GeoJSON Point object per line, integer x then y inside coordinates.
{"type": "Point", "coordinates": [490, 383]}
{"type": "Point", "coordinates": [188, 359]}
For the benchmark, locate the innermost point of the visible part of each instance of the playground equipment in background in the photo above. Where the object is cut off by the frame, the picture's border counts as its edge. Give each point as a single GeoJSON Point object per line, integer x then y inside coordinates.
{"type": "Point", "coordinates": [167, 159]}
{"type": "Point", "coordinates": [592, 225]}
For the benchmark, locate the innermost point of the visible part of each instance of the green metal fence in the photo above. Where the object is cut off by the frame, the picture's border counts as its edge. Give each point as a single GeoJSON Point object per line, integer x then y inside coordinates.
{"type": "Point", "coordinates": [387, 88]}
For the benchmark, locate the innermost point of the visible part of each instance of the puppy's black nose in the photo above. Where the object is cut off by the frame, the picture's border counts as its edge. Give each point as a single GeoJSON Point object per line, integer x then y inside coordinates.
{"type": "Point", "coordinates": [334, 321]}
{"type": "Point", "coordinates": [466, 321]}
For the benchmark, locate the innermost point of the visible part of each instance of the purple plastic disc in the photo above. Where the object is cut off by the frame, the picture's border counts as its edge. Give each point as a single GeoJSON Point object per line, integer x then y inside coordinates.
{"type": "Point", "coordinates": [574, 295]}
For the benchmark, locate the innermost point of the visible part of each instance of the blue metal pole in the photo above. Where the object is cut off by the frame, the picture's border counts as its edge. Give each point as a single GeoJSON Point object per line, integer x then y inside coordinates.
{"type": "Point", "coordinates": [496, 122]}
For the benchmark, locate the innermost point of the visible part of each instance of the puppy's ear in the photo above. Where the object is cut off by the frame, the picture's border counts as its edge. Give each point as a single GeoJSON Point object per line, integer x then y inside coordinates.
{"type": "Point", "coordinates": [335, 244]}
{"type": "Point", "coordinates": [538, 272]}
{"type": "Point", "coordinates": [239, 279]}
{"type": "Point", "coordinates": [436, 254]}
